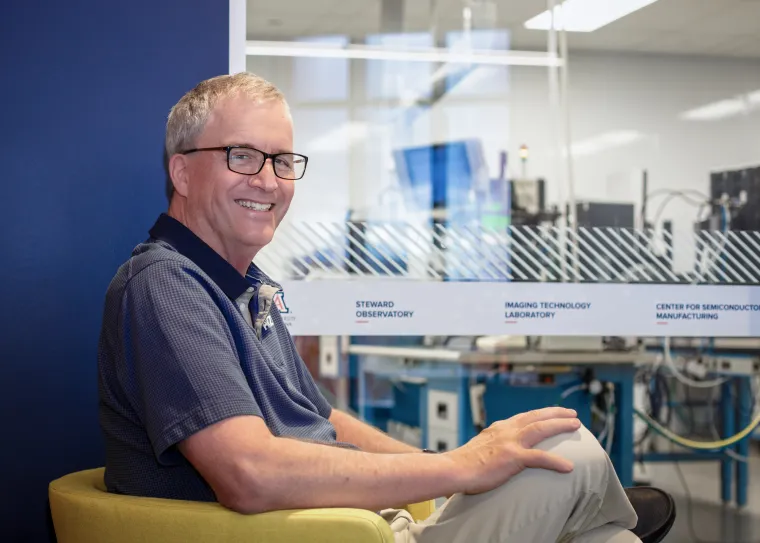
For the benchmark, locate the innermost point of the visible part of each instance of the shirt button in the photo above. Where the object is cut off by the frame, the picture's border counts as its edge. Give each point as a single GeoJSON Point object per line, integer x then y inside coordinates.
{"type": "Point", "coordinates": [243, 307]}
{"type": "Point", "coordinates": [249, 289]}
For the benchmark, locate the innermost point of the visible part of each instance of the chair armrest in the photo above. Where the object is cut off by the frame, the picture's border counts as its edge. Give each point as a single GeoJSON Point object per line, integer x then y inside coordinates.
{"type": "Point", "coordinates": [181, 522]}
{"type": "Point", "coordinates": [342, 525]}
{"type": "Point", "coordinates": [421, 511]}
{"type": "Point", "coordinates": [84, 514]}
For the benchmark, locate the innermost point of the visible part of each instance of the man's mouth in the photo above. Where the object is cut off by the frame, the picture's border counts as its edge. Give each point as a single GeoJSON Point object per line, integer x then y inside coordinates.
{"type": "Point", "coordinates": [256, 206]}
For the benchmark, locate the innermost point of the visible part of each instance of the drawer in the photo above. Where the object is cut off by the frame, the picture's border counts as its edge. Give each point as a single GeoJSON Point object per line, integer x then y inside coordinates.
{"type": "Point", "coordinates": [442, 440]}
{"type": "Point", "coordinates": [443, 410]}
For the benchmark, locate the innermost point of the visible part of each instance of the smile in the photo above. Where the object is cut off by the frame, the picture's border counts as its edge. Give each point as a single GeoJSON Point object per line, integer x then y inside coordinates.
{"type": "Point", "coordinates": [256, 206]}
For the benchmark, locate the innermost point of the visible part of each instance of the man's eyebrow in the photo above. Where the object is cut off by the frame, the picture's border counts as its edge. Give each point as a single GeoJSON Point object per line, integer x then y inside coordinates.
{"type": "Point", "coordinates": [252, 146]}
{"type": "Point", "coordinates": [241, 144]}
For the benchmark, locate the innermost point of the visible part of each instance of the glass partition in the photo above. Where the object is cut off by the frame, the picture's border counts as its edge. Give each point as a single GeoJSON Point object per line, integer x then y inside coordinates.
{"type": "Point", "coordinates": [468, 140]}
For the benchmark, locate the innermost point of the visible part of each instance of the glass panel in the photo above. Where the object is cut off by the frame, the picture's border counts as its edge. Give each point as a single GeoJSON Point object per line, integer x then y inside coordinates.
{"type": "Point", "coordinates": [392, 134]}
{"type": "Point", "coordinates": [653, 125]}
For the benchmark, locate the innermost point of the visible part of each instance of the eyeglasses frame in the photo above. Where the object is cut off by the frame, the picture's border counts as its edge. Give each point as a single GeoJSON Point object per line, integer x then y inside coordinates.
{"type": "Point", "coordinates": [267, 156]}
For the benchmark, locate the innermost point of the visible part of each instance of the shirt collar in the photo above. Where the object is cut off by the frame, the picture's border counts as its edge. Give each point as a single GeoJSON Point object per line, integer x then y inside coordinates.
{"type": "Point", "coordinates": [255, 275]}
{"type": "Point", "coordinates": [221, 272]}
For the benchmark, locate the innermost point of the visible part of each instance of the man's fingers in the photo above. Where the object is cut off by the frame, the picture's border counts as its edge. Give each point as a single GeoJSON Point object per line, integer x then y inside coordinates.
{"type": "Point", "coordinates": [545, 414]}
{"type": "Point", "coordinates": [544, 460]}
{"type": "Point", "coordinates": [535, 433]}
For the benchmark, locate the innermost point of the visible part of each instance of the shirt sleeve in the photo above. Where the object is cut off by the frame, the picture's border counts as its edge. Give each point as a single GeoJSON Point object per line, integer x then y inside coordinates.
{"type": "Point", "coordinates": [181, 356]}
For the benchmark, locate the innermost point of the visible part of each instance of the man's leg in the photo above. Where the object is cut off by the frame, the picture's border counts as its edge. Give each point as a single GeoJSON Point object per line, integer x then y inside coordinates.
{"type": "Point", "coordinates": [587, 505]}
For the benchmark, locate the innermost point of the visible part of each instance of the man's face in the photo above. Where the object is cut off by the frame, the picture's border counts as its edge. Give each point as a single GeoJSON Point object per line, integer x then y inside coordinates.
{"type": "Point", "coordinates": [217, 197]}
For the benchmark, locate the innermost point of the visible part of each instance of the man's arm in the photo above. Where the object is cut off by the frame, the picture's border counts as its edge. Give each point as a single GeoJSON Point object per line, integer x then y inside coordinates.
{"type": "Point", "coordinates": [364, 436]}
{"type": "Point", "coordinates": [252, 471]}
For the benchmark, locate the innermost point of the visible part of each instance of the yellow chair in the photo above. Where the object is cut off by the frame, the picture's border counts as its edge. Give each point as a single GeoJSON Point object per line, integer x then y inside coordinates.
{"type": "Point", "coordinates": [83, 512]}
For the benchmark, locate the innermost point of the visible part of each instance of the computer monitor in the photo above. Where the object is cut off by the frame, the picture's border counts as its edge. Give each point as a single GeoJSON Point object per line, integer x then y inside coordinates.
{"type": "Point", "coordinates": [442, 175]}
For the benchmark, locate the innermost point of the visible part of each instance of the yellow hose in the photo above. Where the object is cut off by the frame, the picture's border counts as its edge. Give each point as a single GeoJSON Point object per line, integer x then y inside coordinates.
{"type": "Point", "coordinates": [701, 445]}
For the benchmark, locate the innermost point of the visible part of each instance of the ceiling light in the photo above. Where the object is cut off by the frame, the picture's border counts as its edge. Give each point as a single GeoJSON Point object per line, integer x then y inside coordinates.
{"type": "Point", "coordinates": [753, 98]}
{"type": "Point", "coordinates": [585, 15]}
{"type": "Point", "coordinates": [724, 109]}
{"type": "Point", "coordinates": [431, 54]}
{"type": "Point", "coordinates": [715, 111]}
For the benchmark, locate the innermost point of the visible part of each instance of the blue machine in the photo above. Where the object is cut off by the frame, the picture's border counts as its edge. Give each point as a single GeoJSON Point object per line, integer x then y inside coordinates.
{"type": "Point", "coordinates": [444, 176]}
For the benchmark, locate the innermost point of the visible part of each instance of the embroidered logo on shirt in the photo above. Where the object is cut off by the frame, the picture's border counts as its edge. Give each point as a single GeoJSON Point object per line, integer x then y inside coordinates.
{"type": "Point", "coordinates": [279, 302]}
{"type": "Point", "coordinates": [268, 323]}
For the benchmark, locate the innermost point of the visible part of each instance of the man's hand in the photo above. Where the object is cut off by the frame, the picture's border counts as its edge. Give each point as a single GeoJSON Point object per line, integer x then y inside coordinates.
{"type": "Point", "coordinates": [505, 448]}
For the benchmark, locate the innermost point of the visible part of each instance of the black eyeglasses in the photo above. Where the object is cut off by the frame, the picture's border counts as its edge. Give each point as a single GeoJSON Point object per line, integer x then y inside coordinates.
{"type": "Point", "coordinates": [250, 161]}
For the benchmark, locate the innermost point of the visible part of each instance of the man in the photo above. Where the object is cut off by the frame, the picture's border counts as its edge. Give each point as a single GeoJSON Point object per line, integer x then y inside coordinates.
{"type": "Point", "coordinates": [204, 397]}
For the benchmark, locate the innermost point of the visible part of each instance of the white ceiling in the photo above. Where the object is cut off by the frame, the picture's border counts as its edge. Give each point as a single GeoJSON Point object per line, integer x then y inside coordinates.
{"type": "Point", "coordinates": [690, 27]}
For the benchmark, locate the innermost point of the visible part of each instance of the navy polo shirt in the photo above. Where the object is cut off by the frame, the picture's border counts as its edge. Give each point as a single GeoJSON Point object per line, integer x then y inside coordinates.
{"type": "Point", "coordinates": [186, 342]}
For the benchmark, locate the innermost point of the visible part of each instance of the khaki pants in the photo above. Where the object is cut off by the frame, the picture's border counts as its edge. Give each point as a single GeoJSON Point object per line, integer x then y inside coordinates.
{"type": "Point", "coordinates": [537, 506]}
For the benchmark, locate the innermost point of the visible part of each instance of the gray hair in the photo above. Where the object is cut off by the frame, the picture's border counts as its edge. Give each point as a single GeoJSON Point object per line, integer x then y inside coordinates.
{"type": "Point", "coordinates": [189, 116]}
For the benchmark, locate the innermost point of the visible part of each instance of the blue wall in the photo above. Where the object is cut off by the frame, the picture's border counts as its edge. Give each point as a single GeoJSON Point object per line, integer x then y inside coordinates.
{"type": "Point", "coordinates": [85, 87]}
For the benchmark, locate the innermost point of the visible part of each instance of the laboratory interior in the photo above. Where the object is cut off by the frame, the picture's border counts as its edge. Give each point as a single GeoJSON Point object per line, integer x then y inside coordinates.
{"type": "Point", "coordinates": [514, 204]}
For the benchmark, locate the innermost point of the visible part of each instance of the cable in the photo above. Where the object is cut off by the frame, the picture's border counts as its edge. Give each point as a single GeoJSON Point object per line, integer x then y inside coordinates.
{"type": "Point", "coordinates": [689, 513]}
{"type": "Point", "coordinates": [660, 192]}
{"type": "Point", "coordinates": [736, 456]}
{"type": "Point", "coordinates": [715, 253]}
{"type": "Point", "coordinates": [680, 376]}
{"type": "Point", "coordinates": [659, 400]}
{"type": "Point", "coordinates": [683, 194]}
{"type": "Point", "coordinates": [608, 431]}
{"type": "Point", "coordinates": [689, 505]}
{"type": "Point", "coordinates": [690, 407]}
{"type": "Point", "coordinates": [702, 445]}
{"type": "Point", "coordinates": [716, 434]}
{"type": "Point", "coordinates": [661, 384]}
{"type": "Point", "coordinates": [572, 390]}
{"type": "Point", "coordinates": [698, 445]}
{"type": "Point", "coordinates": [680, 194]}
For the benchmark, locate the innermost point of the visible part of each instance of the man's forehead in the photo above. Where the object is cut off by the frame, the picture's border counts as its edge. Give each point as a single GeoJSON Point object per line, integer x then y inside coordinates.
{"type": "Point", "coordinates": [232, 107]}
{"type": "Point", "coordinates": [241, 122]}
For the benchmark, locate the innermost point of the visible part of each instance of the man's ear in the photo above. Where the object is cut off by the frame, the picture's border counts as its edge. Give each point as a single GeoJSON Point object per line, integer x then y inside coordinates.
{"type": "Point", "coordinates": [178, 173]}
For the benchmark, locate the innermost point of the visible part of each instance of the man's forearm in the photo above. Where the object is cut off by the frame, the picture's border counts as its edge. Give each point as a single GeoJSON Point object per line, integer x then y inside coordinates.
{"type": "Point", "coordinates": [292, 474]}
{"type": "Point", "coordinates": [364, 436]}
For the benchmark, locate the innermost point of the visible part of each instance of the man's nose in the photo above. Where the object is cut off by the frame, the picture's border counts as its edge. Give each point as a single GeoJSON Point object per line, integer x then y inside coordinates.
{"type": "Point", "coordinates": [265, 179]}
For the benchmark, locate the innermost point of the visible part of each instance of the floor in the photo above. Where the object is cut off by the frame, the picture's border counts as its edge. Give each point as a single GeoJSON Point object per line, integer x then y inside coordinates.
{"type": "Point", "coordinates": [712, 522]}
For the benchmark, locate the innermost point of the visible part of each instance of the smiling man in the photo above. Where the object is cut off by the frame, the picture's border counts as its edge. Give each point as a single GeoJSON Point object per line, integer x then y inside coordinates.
{"type": "Point", "coordinates": [204, 397]}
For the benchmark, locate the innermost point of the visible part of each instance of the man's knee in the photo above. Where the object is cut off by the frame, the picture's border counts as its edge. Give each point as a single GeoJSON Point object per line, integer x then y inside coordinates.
{"type": "Point", "coordinates": [591, 465]}
{"type": "Point", "coordinates": [543, 494]}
